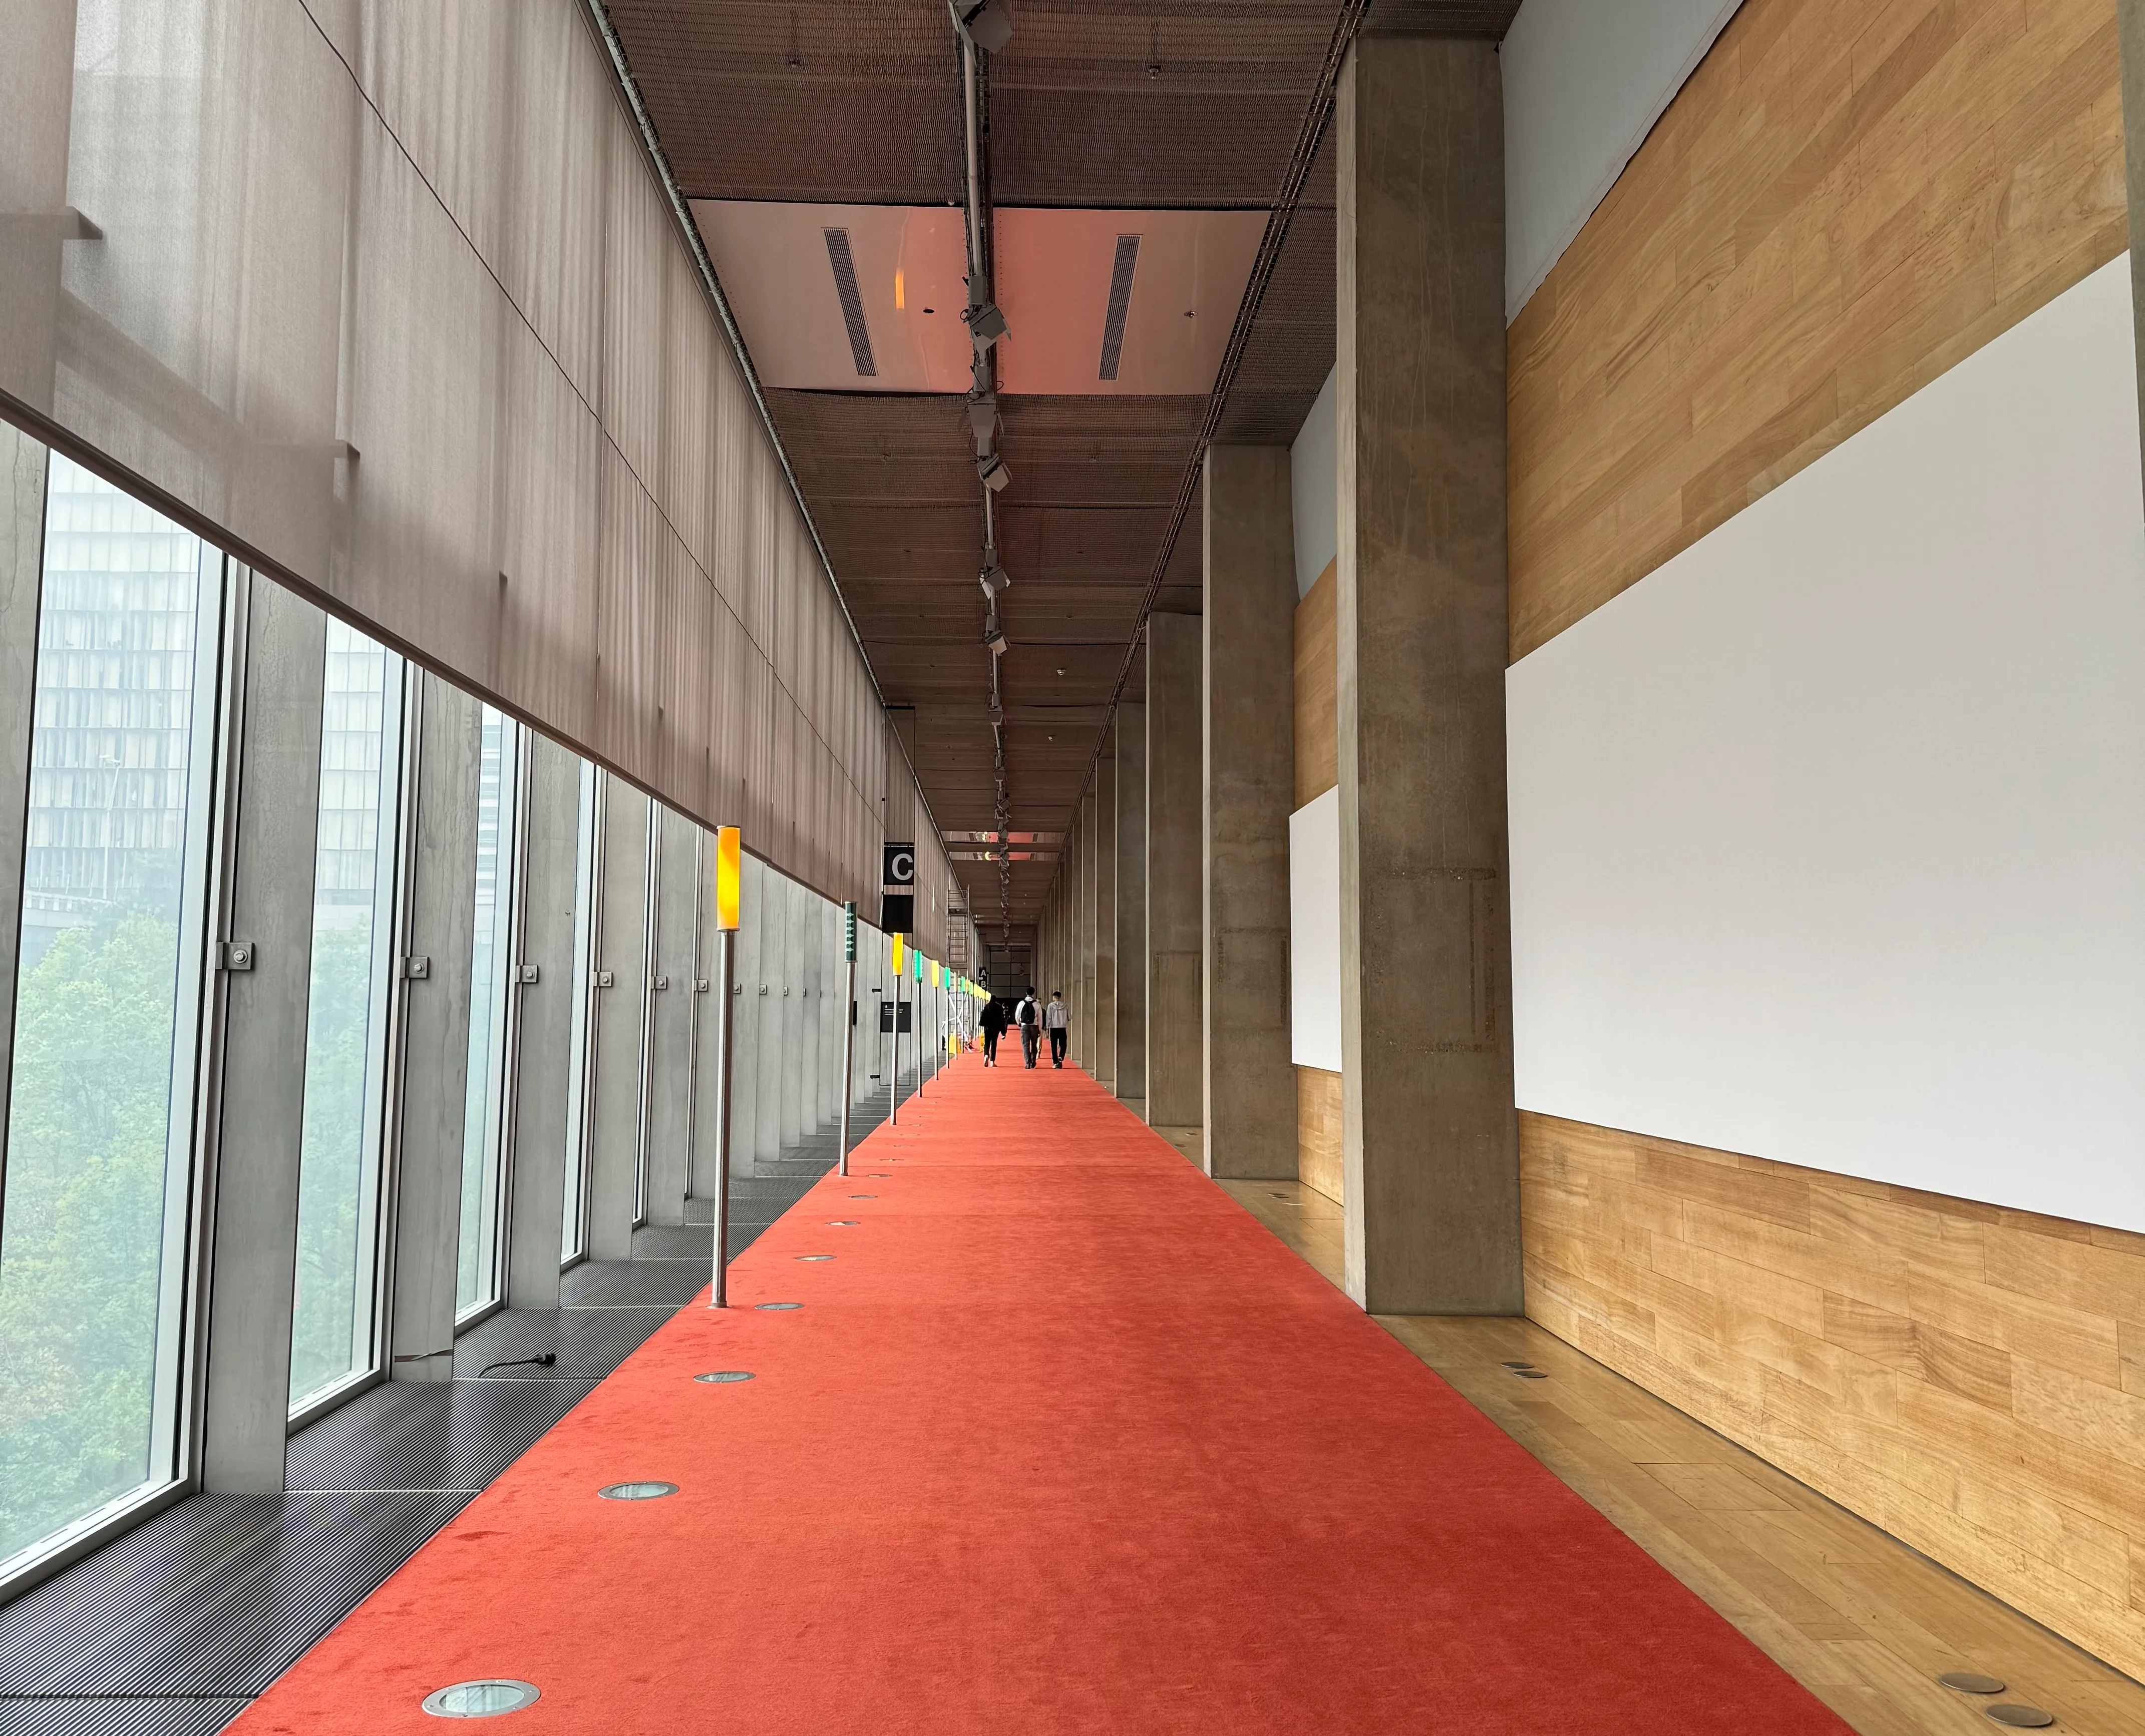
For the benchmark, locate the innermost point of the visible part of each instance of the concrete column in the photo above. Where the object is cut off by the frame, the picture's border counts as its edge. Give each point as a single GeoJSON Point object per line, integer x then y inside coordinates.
{"type": "Point", "coordinates": [1131, 874]}
{"type": "Point", "coordinates": [253, 1257]}
{"type": "Point", "coordinates": [614, 1120]}
{"type": "Point", "coordinates": [442, 933]}
{"type": "Point", "coordinates": [21, 571]}
{"type": "Point", "coordinates": [826, 1076]}
{"type": "Point", "coordinates": [773, 972]}
{"type": "Point", "coordinates": [1105, 1064]}
{"type": "Point", "coordinates": [1175, 1096]}
{"type": "Point", "coordinates": [543, 1082]}
{"type": "Point", "coordinates": [812, 989]}
{"type": "Point", "coordinates": [1249, 786]}
{"type": "Point", "coordinates": [796, 1105]}
{"type": "Point", "coordinates": [672, 958]}
{"type": "Point", "coordinates": [1083, 1005]}
{"type": "Point", "coordinates": [1431, 1169]}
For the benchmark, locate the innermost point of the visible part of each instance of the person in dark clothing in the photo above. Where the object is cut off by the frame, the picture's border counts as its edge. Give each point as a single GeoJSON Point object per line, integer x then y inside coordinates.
{"type": "Point", "coordinates": [994, 1024]}
{"type": "Point", "coordinates": [1031, 1027]}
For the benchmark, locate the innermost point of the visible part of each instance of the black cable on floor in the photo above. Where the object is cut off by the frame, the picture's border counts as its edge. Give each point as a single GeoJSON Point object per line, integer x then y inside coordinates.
{"type": "Point", "coordinates": [548, 1359]}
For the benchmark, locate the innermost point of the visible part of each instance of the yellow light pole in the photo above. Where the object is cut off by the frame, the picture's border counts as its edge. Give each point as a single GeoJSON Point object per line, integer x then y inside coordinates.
{"type": "Point", "coordinates": [728, 876]}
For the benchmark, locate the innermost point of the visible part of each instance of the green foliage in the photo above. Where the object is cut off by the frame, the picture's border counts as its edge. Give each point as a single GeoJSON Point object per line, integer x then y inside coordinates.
{"type": "Point", "coordinates": [82, 1244]}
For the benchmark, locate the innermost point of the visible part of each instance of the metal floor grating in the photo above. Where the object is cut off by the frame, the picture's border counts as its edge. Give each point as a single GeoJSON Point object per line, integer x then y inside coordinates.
{"type": "Point", "coordinates": [109, 1717]}
{"type": "Point", "coordinates": [172, 1629]}
{"type": "Point", "coordinates": [633, 1283]}
{"type": "Point", "coordinates": [213, 1598]}
{"type": "Point", "coordinates": [452, 1434]}
{"type": "Point", "coordinates": [589, 1342]}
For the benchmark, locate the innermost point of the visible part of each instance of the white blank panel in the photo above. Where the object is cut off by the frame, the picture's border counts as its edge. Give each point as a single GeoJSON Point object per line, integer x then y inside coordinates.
{"type": "Point", "coordinates": [1314, 930]}
{"type": "Point", "coordinates": [1828, 837]}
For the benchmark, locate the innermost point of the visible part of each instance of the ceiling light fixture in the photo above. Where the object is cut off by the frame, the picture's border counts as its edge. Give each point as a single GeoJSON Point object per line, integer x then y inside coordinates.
{"type": "Point", "coordinates": [991, 470]}
{"type": "Point", "coordinates": [995, 636]}
{"type": "Point", "coordinates": [986, 324]}
{"type": "Point", "coordinates": [990, 25]}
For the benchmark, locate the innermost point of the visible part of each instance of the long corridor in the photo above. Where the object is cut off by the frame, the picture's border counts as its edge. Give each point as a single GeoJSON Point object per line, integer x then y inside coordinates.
{"type": "Point", "coordinates": [1043, 1433]}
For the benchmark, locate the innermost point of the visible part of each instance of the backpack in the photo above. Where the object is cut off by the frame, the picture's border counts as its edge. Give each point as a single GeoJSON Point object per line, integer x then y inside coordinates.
{"type": "Point", "coordinates": [1028, 1010]}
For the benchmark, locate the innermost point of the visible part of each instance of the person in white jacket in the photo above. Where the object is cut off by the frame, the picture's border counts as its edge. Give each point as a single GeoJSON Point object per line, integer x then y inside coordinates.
{"type": "Point", "coordinates": [1029, 1017]}
{"type": "Point", "coordinates": [1055, 1018]}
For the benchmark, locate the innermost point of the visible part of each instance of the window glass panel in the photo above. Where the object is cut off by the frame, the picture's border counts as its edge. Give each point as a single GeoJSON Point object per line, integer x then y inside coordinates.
{"type": "Point", "coordinates": [476, 1267]}
{"type": "Point", "coordinates": [354, 891]}
{"type": "Point", "coordinates": [101, 1095]}
{"type": "Point", "coordinates": [573, 1231]}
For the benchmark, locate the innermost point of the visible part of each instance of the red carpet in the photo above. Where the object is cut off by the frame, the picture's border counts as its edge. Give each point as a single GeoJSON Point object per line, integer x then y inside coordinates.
{"type": "Point", "coordinates": [1061, 1440]}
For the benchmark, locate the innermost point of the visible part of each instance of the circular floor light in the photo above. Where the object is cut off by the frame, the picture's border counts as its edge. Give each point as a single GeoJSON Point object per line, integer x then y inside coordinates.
{"type": "Point", "coordinates": [492, 1698]}
{"type": "Point", "coordinates": [637, 1491]}
{"type": "Point", "coordinates": [776, 1307]}
{"type": "Point", "coordinates": [1967, 1681]}
{"type": "Point", "coordinates": [723, 1376]}
{"type": "Point", "coordinates": [815, 1257]}
{"type": "Point", "coordinates": [841, 1223]}
{"type": "Point", "coordinates": [2021, 1718]}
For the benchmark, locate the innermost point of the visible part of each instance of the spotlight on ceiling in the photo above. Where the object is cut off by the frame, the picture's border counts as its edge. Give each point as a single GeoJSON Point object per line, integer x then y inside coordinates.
{"type": "Point", "coordinates": [990, 24]}
{"type": "Point", "coordinates": [986, 324]}
{"type": "Point", "coordinates": [994, 579]}
{"type": "Point", "coordinates": [995, 636]}
{"type": "Point", "coordinates": [992, 470]}
{"type": "Point", "coordinates": [982, 418]}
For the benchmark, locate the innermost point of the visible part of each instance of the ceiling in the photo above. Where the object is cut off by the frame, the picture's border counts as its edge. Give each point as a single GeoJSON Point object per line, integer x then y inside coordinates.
{"type": "Point", "coordinates": [1091, 107]}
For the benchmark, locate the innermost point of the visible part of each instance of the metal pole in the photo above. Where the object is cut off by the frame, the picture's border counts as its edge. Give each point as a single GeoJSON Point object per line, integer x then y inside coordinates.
{"type": "Point", "coordinates": [848, 1030]}
{"type": "Point", "coordinates": [894, 1073]}
{"type": "Point", "coordinates": [725, 1047]}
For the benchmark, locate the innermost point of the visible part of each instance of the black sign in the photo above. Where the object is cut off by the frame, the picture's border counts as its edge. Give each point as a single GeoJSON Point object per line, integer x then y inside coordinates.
{"type": "Point", "coordinates": [896, 913]}
{"type": "Point", "coordinates": [898, 872]}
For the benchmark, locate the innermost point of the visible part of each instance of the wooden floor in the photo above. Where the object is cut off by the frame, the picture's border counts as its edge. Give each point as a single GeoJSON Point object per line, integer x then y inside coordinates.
{"type": "Point", "coordinates": [1863, 1621]}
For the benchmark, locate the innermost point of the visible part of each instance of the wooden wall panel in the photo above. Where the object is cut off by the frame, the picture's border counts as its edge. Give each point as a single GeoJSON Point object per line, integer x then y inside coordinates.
{"type": "Point", "coordinates": [1317, 696]}
{"type": "Point", "coordinates": [1318, 1130]}
{"type": "Point", "coordinates": [1846, 198]}
{"type": "Point", "coordinates": [1969, 1378]}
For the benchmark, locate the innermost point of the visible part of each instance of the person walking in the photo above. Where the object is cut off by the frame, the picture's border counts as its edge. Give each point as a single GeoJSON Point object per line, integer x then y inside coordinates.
{"type": "Point", "coordinates": [1056, 1016]}
{"type": "Point", "coordinates": [1030, 1019]}
{"type": "Point", "coordinates": [994, 1024]}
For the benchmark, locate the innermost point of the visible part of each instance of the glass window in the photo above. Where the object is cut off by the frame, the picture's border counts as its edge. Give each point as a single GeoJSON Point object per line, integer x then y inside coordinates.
{"type": "Point", "coordinates": [354, 892]}
{"type": "Point", "coordinates": [476, 1267]}
{"type": "Point", "coordinates": [573, 1239]}
{"type": "Point", "coordinates": [107, 1009]}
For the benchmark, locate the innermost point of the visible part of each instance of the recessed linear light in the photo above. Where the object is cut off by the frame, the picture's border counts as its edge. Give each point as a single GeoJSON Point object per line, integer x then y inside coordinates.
{"type": "Point", "coordinates": [852, 298]}
{"type": "Point", "coordinates": [724, 1377]}
{"type": "Point", "coordinates": [637, 1491]}
{"type": "Point", "coordinates": [1121, 267]}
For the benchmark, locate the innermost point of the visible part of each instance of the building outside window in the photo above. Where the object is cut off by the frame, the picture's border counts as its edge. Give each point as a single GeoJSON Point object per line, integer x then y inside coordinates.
{"type": "Point", "coordinates": [100, 1094]}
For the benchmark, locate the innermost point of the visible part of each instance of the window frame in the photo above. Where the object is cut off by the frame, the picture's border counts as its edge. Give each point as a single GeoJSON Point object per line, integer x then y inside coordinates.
{"type": "Point", "coordinates": [397, 849]}
{"type": "Point", "coordinates": [198, 989]}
